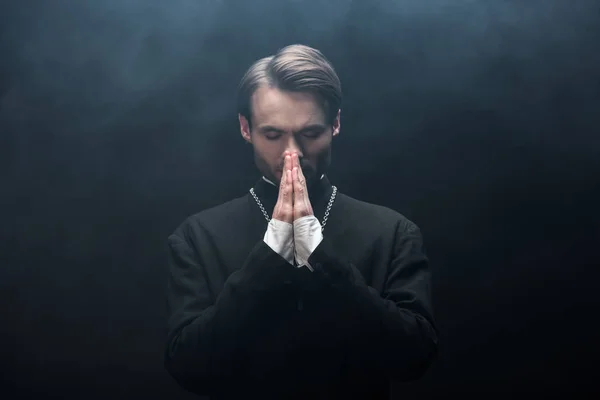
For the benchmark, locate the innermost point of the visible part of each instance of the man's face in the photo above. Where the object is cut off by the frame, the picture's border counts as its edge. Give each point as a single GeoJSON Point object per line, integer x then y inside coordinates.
{"type": "Point", "coordinates": [289, 121]}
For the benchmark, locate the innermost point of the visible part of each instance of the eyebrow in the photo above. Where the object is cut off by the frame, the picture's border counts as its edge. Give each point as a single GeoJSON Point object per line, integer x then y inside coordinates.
{"type": "Point", "coordinates": [312, 127]}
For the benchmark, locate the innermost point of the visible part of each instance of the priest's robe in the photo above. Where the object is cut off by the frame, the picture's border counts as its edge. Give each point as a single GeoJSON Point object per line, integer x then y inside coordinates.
{"type": "Point", "coordinates": [244, 323]}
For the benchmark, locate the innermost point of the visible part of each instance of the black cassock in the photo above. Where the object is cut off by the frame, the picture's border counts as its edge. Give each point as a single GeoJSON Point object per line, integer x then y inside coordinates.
{"type": "Point", "coordinates": [243, 323]}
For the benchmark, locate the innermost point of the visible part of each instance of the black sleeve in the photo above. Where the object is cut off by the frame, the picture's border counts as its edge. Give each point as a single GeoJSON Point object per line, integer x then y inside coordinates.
{"type": "Point", "coordinates": [205, 337]}
{"type": "Point", "coordinates": [394, 331]}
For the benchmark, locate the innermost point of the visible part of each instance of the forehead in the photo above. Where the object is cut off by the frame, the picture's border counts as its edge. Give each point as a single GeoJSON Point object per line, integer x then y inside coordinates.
{"type": "Point", "coordinates": [285, 110]}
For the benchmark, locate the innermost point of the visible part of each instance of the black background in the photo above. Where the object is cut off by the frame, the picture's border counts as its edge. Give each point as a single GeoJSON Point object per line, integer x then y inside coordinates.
{"type": "Point", "coordinates": [478, 120]}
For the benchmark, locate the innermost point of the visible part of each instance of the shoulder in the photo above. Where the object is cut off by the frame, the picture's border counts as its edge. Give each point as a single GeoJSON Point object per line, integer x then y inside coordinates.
{"type": "Point", "coordinates": [377, 214]}
{"type": "Point", "coordinates": [205, 220]}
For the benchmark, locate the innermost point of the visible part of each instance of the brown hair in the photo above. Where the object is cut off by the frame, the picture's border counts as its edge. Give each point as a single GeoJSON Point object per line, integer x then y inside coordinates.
{"type": "Point", "coordinates": [295, 68]}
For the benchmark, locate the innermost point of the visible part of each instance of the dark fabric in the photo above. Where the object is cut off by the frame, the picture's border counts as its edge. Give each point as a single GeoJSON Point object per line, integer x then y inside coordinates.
{"type": "Point", "coordinates": [243, 323]}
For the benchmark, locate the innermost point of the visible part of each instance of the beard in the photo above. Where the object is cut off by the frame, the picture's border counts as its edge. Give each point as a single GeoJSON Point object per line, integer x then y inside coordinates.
{"type": "Point", "coordinates": [308, 171]}
{"type": "Point", "coordinates": [313, 174]}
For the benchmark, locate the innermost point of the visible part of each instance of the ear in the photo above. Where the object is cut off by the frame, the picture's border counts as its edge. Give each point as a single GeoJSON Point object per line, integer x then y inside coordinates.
{"type": "Point", "coordinates": [245, 128]}
{"type": "Point", "coordinates": [336, 123]}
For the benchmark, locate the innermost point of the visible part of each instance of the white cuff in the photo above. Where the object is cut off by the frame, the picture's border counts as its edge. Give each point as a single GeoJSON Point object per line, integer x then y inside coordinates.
{"type": "Point", "coordinates": [307, 237]}
{"type": "Point", "coordinates": [280, 237]}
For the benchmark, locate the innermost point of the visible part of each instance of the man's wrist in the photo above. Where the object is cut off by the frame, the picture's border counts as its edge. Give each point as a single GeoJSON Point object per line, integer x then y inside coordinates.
{"type": "Point", "coordinates": [280, 238]}
{"type": "Point", "coordinates": [307, 236]}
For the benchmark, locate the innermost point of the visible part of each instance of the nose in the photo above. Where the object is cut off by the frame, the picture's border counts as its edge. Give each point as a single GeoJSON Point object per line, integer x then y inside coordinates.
{"type": "Point", "coordinates": [293, 147]}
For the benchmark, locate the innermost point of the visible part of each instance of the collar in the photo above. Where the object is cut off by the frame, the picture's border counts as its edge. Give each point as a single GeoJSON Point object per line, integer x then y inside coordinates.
{"type": "Point", "coordinates": [319, 193]}
{"type": "Point", "coordinates": [268, 181]}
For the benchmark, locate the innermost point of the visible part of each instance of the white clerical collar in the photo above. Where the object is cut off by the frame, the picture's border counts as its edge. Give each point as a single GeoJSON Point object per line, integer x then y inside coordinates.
{"type": "Point", "coordinates": [268, 181]}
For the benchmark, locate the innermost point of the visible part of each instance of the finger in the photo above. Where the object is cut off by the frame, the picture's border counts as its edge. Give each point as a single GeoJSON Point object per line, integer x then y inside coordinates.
{"type": "Point", "coordinates": [294, 191]}
{"type": "Point", "coordinates": [298, 187]}
{"type": "Point", "coordinates": [301, 202]}
{"type": "Point", "coordinates": [289, 187]}
{"type": "Point", "coordinates": [286, 166]}
{"type": "Point", "coordinates": [282, 182]}
{"type": "Point", "coordinates": [284, 174]}
{"type": "Point", "coordinates": [300, 174]}
{"type": "Point", "coordinates": [296, 164]}
{"type": "Point", "coordinates": [301, 179]}
{"type": "Point", "coordinates": [286, 162]}
{"type": "Point", "coordinates": [284, 191]}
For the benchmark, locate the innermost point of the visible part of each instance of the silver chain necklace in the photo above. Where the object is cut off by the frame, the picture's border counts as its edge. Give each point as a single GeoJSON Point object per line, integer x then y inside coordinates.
{"type": "Point", "coordinates": [331, 200]}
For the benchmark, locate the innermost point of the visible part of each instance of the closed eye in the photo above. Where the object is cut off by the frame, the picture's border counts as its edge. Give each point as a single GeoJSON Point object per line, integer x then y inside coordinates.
{"type": "Point", "coordinates": [272, 136]}
{"type": "Point", "coordinates": [312, 134]}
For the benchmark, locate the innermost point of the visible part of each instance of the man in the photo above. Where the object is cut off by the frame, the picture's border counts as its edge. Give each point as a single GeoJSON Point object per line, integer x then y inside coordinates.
{"type": "Point", "coordinates": [294, 290]}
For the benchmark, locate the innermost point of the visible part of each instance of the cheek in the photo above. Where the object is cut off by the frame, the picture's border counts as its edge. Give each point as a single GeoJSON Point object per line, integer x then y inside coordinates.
{"type": "Point", "coordinates": [317, 148]}
{"type": "Point", "coordinates": [269, 154]}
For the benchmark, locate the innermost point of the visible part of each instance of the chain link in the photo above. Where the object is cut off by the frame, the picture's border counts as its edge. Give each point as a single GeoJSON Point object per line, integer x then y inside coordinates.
{"type": "Point", "coordinates": [331, 200]}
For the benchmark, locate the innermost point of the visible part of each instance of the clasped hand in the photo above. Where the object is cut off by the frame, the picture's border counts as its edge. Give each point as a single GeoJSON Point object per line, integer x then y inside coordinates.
{"type": "Point", "coordinates": [293, 202]}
